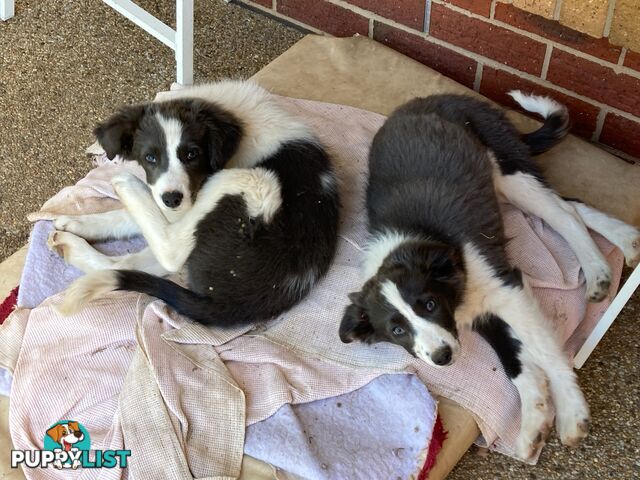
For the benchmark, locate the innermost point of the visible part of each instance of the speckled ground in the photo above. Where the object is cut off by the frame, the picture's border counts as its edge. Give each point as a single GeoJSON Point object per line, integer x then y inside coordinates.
{"type": "Point", "coordinates": [66, 64]}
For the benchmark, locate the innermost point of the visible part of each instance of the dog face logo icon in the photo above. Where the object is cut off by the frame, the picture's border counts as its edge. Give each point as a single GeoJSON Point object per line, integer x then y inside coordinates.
{"type": "Point", "coordinates": [69, 437]}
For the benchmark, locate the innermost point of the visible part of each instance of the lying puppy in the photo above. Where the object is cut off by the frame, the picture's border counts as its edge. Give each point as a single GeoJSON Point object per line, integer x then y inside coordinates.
{"type": "Point", "coordinates": [238, 192]}
{"type": "Point", "coordinates": [436, 262]}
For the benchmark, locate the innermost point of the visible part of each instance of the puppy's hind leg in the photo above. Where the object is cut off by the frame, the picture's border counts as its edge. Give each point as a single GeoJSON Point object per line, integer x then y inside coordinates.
{"type": "Point", "coordinates": [624, 236]}
{"type": "Point", "coordinates": [529, 194]}
{"type": "Point", "coordinates": [78, 252]}
{"type": "Point", "coordinates": [98, 226]}
{"type": "Point", "coordinates": [532, 385]}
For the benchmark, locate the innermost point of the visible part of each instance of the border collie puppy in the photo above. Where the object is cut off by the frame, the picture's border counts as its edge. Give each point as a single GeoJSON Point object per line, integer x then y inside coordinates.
{"type": "Point", "coordinates": [238, 192]}
{"type": "Point", "coordinates": [436, 262]}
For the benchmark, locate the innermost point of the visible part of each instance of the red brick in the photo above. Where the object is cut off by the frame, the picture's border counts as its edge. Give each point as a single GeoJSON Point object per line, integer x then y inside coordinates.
{"type": "Point", "coordinates": [496, 83]}
{"type": "Point", "coordinates": [451, 64]}
{"type": "Point", "coordinates": [407, 12]}
{"type": "Point", "coordinates": [325, 16]}
{"type": "Point", "coordinates": [485, 39]}
{"type": "Point", "coordinates": [264, 3]}
{"type": "Point", "coordinates": [481, 7]}
{"type": "Point", "coordinates": [554, 31]}
{"type": "Point", "coordinates": [621, 133]}
{"type": "Point", "coordinates": [632, 60]}
{"type": "Point", "coordinates": [595, 81]}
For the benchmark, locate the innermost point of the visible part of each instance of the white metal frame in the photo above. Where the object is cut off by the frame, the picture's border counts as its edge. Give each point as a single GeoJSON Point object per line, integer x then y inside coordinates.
{"type": "Point", "coordinates": [7, 9]}
{"type": "Point", "coordinates": [179, 40]}
{"type": "Point", "coordinates": [620, 300]}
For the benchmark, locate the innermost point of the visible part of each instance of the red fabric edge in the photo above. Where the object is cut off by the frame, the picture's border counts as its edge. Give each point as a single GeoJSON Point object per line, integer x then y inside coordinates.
{"type": "Point", "coordinates": [8, 305]}
{"type": "Point", "coordinates": [438, 437]}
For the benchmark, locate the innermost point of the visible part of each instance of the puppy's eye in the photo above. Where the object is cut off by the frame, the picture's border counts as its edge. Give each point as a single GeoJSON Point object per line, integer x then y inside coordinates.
{"type": "Point", "coordinates": [428, 305]}
{"type": "Point", "coordinates": [397, 330]}
{"type": "Point", "coordinates": [192, 154]}
{"type": "Point", "coordinates": [151, 158]}
{"type": "Point", "coordinates": [364, 316]}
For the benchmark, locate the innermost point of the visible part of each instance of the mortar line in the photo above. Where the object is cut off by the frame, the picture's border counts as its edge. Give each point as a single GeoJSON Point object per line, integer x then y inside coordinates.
{"type": "Point", "coordinates": [623, 55]}
{"type": "Point", "coordinates": [546, 61]}
{"type": "Point", "coordinates": [427, 16]}
{"type": "Point", "coordinates": [602, 114]}
{"type": "Point", "coordinates": [609, 19]}
{"type": "Point", "coordinates": [478, 80]}
{"type": "Point", "coordinates": [557, 9]}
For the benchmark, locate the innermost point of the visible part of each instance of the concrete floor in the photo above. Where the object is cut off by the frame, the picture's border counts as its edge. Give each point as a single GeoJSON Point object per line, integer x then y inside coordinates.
{"type": "Point", "coordinates": [65, 65]}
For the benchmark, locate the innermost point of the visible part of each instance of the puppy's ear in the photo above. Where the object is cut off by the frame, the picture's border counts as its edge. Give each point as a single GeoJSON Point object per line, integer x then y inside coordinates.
{"type": "Point", "coordinates": [56, 433]}
{"type": "Point", "coordinates": [446, 265]}
{"type": "Point", "coordinates": [115, 135]}
{"type": "Point", "coordinates": [224, 130]}
{"type": "Point", "coordinates": [355, 323]}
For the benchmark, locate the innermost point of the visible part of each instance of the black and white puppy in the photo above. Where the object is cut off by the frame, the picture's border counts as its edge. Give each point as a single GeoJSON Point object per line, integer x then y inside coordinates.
{"type": "Point", "coordinates": [436, 261]}
{"type": "Point", "coordinates": [238, 192]}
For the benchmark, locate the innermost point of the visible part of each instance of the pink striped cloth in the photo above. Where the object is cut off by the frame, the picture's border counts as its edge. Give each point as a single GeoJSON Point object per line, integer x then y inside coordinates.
{"type": "Point", "coordinates": [137, 373]}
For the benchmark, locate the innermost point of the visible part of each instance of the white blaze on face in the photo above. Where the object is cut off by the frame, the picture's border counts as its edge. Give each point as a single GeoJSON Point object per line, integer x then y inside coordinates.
{"type": "Point", "coordinates": [175, 178]}
{"type": "Point", "coordinates": [428, 336]}
{"type": "Point", "coordinates": [69, 437]}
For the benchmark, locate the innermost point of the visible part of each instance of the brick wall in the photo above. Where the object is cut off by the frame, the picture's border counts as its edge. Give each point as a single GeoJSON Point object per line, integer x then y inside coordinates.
{"type": "Point", "coordinates": [493, 47]}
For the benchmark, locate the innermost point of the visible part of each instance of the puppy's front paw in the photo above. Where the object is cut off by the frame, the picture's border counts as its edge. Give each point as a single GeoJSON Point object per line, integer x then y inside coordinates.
{"type": "Point", "coordinates": [124, 183]}
{"type": "Point", "coordinates": [598, 284]}
{"type": "Point", "coordinates": [572, 420]}
{"type": "Point", "coordinates": [537, 419]}
{"type": "Point", "coordinates": [68, 223]}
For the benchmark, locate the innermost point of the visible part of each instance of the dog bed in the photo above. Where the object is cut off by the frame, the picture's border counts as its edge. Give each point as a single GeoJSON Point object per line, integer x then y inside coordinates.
{"type": "Point", "coordinates": [173, 362]}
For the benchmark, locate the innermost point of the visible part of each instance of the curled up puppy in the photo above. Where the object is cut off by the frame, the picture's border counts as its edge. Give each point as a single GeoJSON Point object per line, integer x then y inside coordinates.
{"type": "Point", "coordinates": [238, 192]}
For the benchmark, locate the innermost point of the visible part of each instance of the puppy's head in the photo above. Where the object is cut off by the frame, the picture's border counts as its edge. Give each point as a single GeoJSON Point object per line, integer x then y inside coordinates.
{"type": "Point", "coordinates": [411, 302]}
{"type": "Point", "coordinates": [179, 143]}
{"type": "Point", "coordinates": [69, 433]}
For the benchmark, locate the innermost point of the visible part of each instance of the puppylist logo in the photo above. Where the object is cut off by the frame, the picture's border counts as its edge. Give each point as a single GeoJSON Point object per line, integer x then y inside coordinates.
{"type": "Point", "coordinates": [67, 445]}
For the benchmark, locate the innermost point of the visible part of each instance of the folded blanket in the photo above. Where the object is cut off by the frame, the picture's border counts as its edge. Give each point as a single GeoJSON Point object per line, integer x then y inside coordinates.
{"type": "Point", "coordinates": [299, 357]}
{"type": "Point", "coordinates": [390, 420]}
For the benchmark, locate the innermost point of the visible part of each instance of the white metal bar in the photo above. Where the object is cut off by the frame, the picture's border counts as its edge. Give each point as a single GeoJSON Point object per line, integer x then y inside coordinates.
{"type": "Point", "coordinates": [608, 317]}
{"type": "Point", "coordinates": [184, 41]}
{"type": "Point", "coordinates": [7, 9]}
{"type": "Point", "coordinates": [145, 20]}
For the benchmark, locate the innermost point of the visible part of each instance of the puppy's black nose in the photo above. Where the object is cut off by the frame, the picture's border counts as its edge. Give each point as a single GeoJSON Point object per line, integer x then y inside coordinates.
{"type": "Point", "coordinates": [77, 434]}
{"type": "Point", "coordinates": [442, 356]}
{"type": "Point", "coordinates": [172, 199]}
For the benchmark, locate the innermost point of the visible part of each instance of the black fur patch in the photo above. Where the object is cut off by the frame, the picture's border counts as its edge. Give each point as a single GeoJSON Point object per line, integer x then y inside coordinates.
{"type": "Point", "coordinates": [433, 178]}
{"type": "Point", "coordinates": [500, 336]}
{"type": "Point", "coordinates": [264, 267]}
{"type": "Point", "coordinates": [512, 150]}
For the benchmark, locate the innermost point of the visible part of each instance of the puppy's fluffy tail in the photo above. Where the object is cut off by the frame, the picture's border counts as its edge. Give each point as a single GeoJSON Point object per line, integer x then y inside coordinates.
{"type": "Point", "coordinates": [200, 308]}
{"type": "Point", "coordinates": [556, 121]}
